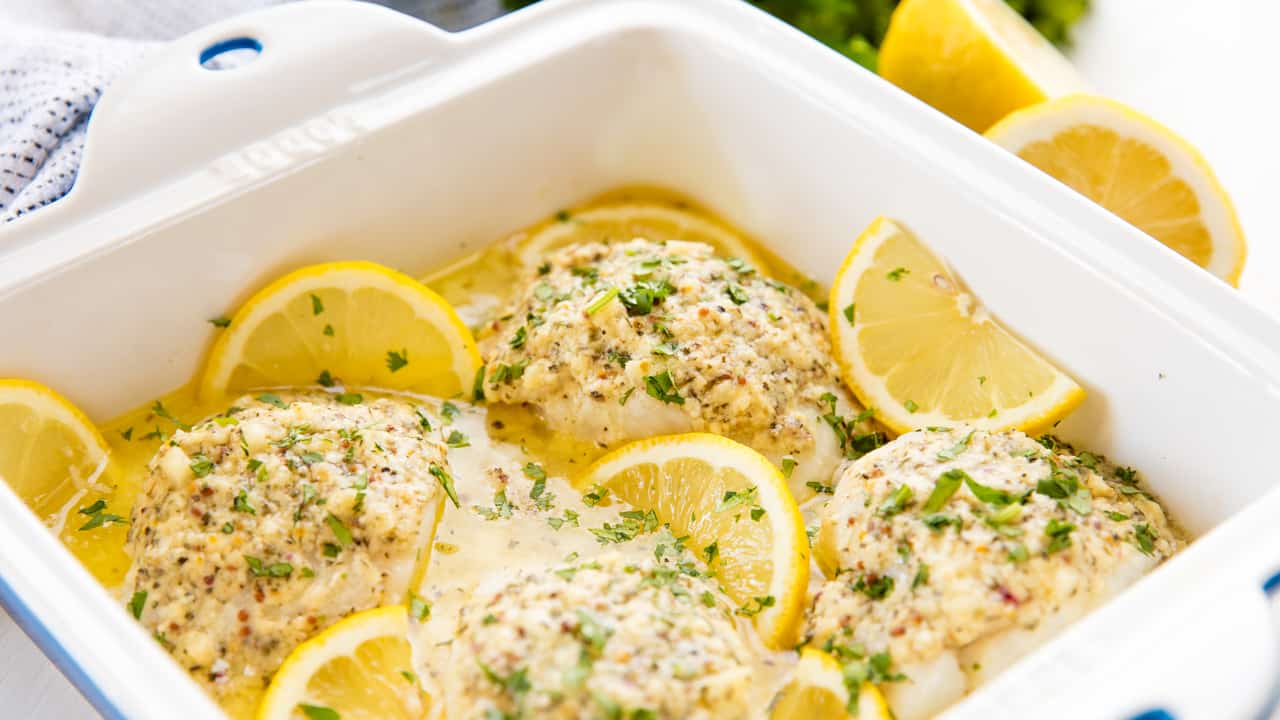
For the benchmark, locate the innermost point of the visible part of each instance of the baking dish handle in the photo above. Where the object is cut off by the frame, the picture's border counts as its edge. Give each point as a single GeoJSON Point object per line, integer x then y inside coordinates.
{"type": "Point", "coordinates": [173, 114]}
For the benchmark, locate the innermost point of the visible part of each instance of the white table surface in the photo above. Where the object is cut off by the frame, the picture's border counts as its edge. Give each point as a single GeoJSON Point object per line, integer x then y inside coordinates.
{"type": "Point", "coordinates": [1203, 67]}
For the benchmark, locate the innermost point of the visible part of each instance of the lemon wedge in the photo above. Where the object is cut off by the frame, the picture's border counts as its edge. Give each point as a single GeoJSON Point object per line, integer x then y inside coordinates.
{"type": "Point", "coordinates": [621, 222]}
{"type": "Point", "coordinates": [1137, 169]}
{"type": "Point", "coordinates": [817, 691]}
{"type": "Point", "coordinates": [975, 60]}
{"type": "Point", "coordinates": [53, 457]}
{"type": "Point", "coordinates": [49, 450]}
{"type": "Point", "coordinates": [355, 324]}
{"type": "Point", "coordinates": [914, 344]}
{"type": "Point", "coordinates": [359, 669]}
{"type": "Point", "coordinates": [717, 491]}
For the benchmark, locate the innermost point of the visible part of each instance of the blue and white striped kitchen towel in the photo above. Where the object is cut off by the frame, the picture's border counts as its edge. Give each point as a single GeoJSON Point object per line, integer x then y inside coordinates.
{"type": "Point", "coordinates": [56, 58]}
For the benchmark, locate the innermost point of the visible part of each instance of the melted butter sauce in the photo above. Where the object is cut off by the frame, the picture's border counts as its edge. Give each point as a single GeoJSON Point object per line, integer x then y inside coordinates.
{"type": "Point", "coordinates": [467, 547]}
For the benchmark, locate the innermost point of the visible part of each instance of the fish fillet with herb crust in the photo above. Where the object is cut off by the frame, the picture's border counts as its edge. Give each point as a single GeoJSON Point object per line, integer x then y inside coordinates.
{"type": "Point", "coordinates": [617, 342]}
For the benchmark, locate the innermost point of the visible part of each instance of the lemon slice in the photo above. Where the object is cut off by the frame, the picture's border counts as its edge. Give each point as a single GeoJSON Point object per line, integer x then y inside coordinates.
{"type": "Point", "coordinates": [914, 344]}
{"type": "Point", "coordinates": [1137, 169]}
{"type": "Point", "coordinates": [817, 691]}
{"type": "Point", "coordinates": [359, 669]}
{"type": "Point", "coordinates": [357, 324]}
{"type": "Point", "coordinates": [715, 490]}
{"type": "Point", "coordinates": [975, 60]}
{"type": "Point", "coordinates": [49, 450]}
{"type": "Point", "coordinates": [627, 221]}
{"type": "Point", "coordinates": [52, 456]}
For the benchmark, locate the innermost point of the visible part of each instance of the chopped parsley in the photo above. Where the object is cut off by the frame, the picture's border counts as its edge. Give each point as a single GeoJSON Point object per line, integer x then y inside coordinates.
{"type": "Point", "coordinates": [220, 322]}
{"type": "Point", "coordinates": [897, 274]}
{"type": "Point", "coordinates": [276, 570]}
{"type": "Point", "coordinates": [502, 507]}
{"type": "Point", "coordinates": [457, 439]}
{"type": "Point", "coordinates": [666, 349]}
{"type": "Point", "coordinates": [570, 518]}
{"type": "Point", "coordinates": [733, 498]}
{"type": "Point", "coordinates": [317, 306]}
{"type": "Point", "coordinates": [910, 405]}
{"type": "Point", "coordinates": [639, 299]}
{"type": "Point", "coordinates": [897, 501]}
{"type": "Point", "coordinates": [477, 386]}
{"type": "Point", "coordinates": [449, 411]}
{"type": "Point", "coordinates": [319, 712]}
{"type": "Point", "coordinates": [350, 398]}
{"type": "Point", "coordinates": [241, 503]}
{"type": "Point", "coordinates": [876, 587]}
{"type": "Point", "coordinates": [756, 605]}
{"type": "Point", "coordinates": [1116, 516]}
{"type": "Point", "coordinates": [626, 396]}
{"type": "Point", "coordinates": [397, 360]}
{"type": "Point", "coordinates": [272, 399]}
{"type": "Point", "coordinates": [446, 482]}
{"type": "Point", "coordinates": [419, 608]}
{"type": "Point", "coordinates": [518, 340]}
{"type": "Point", "coordinates": [340, 530]}
{"type": "Point", "coordinates": [601, 300]}
{"type": "Point", "coordinates": [921, 577]}
{"type": "Point", "coordinates": [662, 387]}
{"type": "Point", "coordinates": [848, 312]}
{"type": "Point", "coordinates": [989, 495]}
{"type": "Point", "coordinates": [505, 373]}
{"type": "Point", "coordinates": [325, 379]}
{"type": "Point", "coordinates": [1059, 534]}
{"type": "Point", "coordinates": [954, 451]}
{"type": "Point", "coordinates": [137, 603]}
{"type": "Point", "coordinates": [98, 518]}
{"type": "Point", "coordinates": [595, 495]}
{"type": "Point", "coordinates": [1144, 539]}
{"type": "Point", "coordinates": [788, 466]}
{"type": "Point", "coordinates": [159, 410]}
{"type": "Point", "coordinates": [736, 293]}
{"type": "Point", "coordinates": [938, 521]}
{"type": "Point", "coordinates": [127, 434]}
{"type": "Point", "coordinates": [328, 330]}
{"type": "Point", "coordinates": [589, 274]}
{"type": "Point", "coordinates": [948, 483]}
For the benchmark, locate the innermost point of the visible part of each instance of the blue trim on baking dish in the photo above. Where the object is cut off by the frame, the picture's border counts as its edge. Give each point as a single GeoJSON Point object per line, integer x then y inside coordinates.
{"type": "Point", "coordinates": [1156, 714]}
{"type": "Point", "coordinates": [61, 658]}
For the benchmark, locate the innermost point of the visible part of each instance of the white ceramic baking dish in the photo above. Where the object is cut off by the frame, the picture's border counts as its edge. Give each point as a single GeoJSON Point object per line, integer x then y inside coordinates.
{"type": "Point", "coordinates": [360, 133]}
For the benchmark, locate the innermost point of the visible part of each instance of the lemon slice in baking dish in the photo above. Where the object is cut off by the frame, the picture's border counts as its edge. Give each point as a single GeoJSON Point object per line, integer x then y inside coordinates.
{"type": "Point", "coordinates": [359, 669]}
{"type": "Point", "coordinates": [719, 492]}
{"type": "Point", "coordinates": [49, 450]}
{"type": "Point", "coordinates": [914, 344]}
{"type": "Point", "coordinates": [975, 60]}
{"type": "Point", "coordinates": [1137, 169]}
{"type": "Point", "coordinates": [51, 455]}
{"type": "Point", "coordinates": [356, 324]}
{"type": "Point", "coordinates": [621, 222]}
{"type": "Point", "coordinates": [818, 691]}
